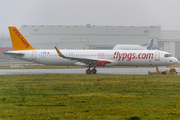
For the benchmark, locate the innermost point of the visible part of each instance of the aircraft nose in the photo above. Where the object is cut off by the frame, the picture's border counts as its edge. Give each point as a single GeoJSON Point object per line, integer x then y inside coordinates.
{"type": "Point", "coordinates": [175, 60]}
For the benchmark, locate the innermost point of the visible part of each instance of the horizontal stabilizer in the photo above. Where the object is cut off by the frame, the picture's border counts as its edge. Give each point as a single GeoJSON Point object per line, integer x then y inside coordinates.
{"type": "Point", "coordinates": [15, 54]}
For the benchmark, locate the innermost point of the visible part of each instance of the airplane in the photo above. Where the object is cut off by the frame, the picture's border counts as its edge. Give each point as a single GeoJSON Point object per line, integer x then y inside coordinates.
{"type": "Point", "coordinates": [149, 46]}
{"type": "Point", "coordinates": [89, 58]}
{"type": "Point", "coordinates": [133, 47]}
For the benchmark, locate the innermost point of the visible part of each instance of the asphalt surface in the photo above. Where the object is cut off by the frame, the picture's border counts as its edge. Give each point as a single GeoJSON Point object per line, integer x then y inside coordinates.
{"type": "Point", "coordinates": [113, 71]}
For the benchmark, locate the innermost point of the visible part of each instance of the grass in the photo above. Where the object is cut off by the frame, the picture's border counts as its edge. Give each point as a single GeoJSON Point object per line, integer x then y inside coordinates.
{"type": "Point", "coordinates": [90, 97]}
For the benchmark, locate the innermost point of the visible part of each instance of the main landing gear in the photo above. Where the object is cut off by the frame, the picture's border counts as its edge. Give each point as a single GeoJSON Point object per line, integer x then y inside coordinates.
{"type": "Point", "coordinates": [89, 71]}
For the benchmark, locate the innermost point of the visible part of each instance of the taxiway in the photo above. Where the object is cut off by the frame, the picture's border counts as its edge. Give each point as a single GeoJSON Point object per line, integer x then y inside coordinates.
{"type": "Point", "coordinates": [113, 71]}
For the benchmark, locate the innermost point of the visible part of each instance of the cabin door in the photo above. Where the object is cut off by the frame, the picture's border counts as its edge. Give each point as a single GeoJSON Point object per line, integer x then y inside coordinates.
{"type": "Point", "coordinates": [71, 54]}
{"type": "Point", "coordinates": [157, 56]}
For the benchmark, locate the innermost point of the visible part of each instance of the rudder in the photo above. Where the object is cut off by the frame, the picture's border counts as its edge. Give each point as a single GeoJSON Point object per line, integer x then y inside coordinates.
{"type": "Point", "coordinates": [18, 40]}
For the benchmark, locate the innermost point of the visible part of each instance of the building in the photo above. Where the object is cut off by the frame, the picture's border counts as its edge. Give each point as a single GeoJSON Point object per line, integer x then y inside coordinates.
{"type": "Point", "coordinates": [5, 45]}
{"type": "Point", "coordinates": [170, 42]}
{"type": "Point", "coordinates": [90, 37]}
{"type": "Point", "coordinates": [5, 40]}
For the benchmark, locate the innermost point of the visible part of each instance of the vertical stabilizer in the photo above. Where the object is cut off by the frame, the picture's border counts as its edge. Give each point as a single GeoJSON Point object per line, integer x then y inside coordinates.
{"type": "Point", "coordinates": [18, 40]}
{"type": "Point", "coordinates": [149, 46]}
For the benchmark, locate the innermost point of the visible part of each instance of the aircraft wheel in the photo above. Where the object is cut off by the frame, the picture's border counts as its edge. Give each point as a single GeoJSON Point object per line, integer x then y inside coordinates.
{"type": "Point", "coordinates": [88, 71]}
{"type": "Point", "coordinates": [94, 71]}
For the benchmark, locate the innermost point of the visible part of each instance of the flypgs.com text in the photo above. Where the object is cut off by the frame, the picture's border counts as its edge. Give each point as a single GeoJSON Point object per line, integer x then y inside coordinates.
{"type": "Point", "coordinates": [130, 56]}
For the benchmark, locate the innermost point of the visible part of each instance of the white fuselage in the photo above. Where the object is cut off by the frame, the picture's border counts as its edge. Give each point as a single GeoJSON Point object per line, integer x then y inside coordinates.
{"type": "Point", "coordinates": [116, 57]}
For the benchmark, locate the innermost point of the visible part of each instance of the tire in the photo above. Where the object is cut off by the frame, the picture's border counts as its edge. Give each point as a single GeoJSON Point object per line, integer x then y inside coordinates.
{"type": "Point", "coordinates": [94, 71]}
{"type": "Point", "coordinates": [88, 71]}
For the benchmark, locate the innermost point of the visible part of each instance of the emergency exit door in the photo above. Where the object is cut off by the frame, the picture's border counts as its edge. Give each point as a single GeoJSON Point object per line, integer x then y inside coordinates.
{"type": "Point", "coordinates": [34, 55]}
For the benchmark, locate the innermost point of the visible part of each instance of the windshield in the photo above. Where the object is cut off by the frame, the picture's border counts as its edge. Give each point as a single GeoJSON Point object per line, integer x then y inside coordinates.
{"type": "Point", "coordinates": [168, 55]}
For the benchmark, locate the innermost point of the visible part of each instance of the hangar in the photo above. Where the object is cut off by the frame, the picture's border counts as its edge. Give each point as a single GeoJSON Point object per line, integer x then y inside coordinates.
{"type": "Point", "coordinates": [90, 37]}
{"type": "Point", "coordinates": [5, 45]}
{"type": "Point", "coordinates": [170, 41]}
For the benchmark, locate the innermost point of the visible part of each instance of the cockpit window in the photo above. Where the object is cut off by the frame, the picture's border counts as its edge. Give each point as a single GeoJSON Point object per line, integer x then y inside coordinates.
{"type": "Point", "coordinates": [168, 55]}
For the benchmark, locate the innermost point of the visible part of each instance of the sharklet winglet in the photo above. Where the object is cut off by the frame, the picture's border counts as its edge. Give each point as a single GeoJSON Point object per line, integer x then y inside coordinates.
{"type": "Point", "coordinates": [59, 53]}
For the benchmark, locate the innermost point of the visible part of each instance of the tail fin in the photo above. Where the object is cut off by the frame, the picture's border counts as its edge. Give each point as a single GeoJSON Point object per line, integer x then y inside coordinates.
{"type": "Point", "coordinates": [18, 40]}
{"type": "Point", "coordinates": [149, 46]}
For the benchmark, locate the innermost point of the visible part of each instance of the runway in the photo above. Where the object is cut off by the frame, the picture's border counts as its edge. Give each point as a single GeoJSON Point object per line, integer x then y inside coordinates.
{"type": "Point", "coordinates": [113, 71]}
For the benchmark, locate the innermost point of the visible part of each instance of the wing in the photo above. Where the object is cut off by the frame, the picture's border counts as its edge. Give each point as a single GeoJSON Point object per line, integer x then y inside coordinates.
{"type": "Point", "coordinates": [85, 61]}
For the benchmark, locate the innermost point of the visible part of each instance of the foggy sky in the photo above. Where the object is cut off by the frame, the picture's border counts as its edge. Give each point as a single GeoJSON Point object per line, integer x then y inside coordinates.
{"type": "Point", "coordinates": [164, 13]}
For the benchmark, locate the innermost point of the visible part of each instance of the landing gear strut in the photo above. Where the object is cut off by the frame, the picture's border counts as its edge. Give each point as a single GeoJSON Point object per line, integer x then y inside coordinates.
{"type": "Point", "coordinates": [157, 69]}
